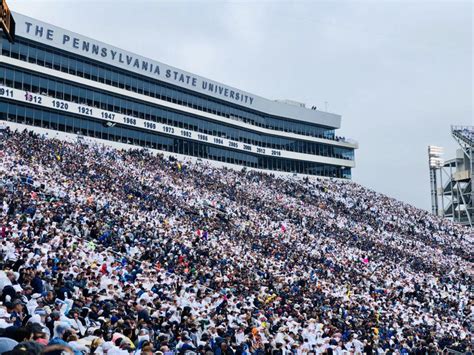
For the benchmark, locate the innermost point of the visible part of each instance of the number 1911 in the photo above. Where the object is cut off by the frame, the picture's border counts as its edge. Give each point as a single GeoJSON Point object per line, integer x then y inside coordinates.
{"type": "Point", "coordinates": [6, 92]}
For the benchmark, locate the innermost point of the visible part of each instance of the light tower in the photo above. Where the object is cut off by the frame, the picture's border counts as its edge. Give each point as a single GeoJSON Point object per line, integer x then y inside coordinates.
{"type": "Point", "coordinates": [457, 194]}
{"type": "Point", "coordinates": [435, 162]}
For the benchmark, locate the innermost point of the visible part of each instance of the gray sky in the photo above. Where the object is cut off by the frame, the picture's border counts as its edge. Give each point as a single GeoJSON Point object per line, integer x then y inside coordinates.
{"type": "Point", "coordinates": [399, 72]}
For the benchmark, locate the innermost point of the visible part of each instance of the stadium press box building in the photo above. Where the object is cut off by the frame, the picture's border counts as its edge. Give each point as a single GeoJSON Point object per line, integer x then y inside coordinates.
{"type": "Point", "coordinates": [61, 83]}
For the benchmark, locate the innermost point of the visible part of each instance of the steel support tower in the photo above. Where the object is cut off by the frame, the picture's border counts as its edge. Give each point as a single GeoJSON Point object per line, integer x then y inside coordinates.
{"type": "Point", "coordinates": [457, 194]}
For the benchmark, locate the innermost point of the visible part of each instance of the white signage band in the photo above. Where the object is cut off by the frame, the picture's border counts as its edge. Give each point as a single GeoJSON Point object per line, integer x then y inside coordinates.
{"type": "Point", "coordinates": [88, 111]}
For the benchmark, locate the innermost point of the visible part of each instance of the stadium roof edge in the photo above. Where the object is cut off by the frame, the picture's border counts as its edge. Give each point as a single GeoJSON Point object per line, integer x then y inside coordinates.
{"type": "Point", "coordinates": [51, 35]}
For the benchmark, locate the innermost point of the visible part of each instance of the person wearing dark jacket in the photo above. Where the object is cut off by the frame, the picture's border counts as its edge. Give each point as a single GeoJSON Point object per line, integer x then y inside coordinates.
{"type": "Point", "coordinates": [37, 283]}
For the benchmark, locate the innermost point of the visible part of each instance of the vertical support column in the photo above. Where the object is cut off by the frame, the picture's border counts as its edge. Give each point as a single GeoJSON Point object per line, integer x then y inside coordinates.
{"type": "Point", "coordinates": [434, 191]}
{"type": "Point", "coordinates": [470, 206]}
{"type": "Point", "coordinates": [441, 191]}
{"type": "Point", "coordinates": [452, 190]}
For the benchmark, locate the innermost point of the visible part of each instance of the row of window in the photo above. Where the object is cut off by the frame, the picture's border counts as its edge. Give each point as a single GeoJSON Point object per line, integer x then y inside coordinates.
{"type": "Point", "coordinates": [64, 90]}
{"type": "Point", "coordinates": [78, 125]}
{"type": "Point", "coordinates": [79, 66]}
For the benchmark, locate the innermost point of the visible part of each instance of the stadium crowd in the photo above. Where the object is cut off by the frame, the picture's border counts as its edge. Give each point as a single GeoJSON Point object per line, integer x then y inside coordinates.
{"type": "Point", "coordinates": [124, 252]}
{"type": "Point", "coordinates": [466, 133]}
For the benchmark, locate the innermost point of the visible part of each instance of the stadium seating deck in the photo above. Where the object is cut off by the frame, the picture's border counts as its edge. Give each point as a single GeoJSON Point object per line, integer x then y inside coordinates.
{"type": "Point", "coordinates": [466, 134]}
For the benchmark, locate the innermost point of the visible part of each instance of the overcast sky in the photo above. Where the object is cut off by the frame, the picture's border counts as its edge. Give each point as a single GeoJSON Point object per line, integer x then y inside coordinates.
{"type": "Point", "coordinates": [399, 72]}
